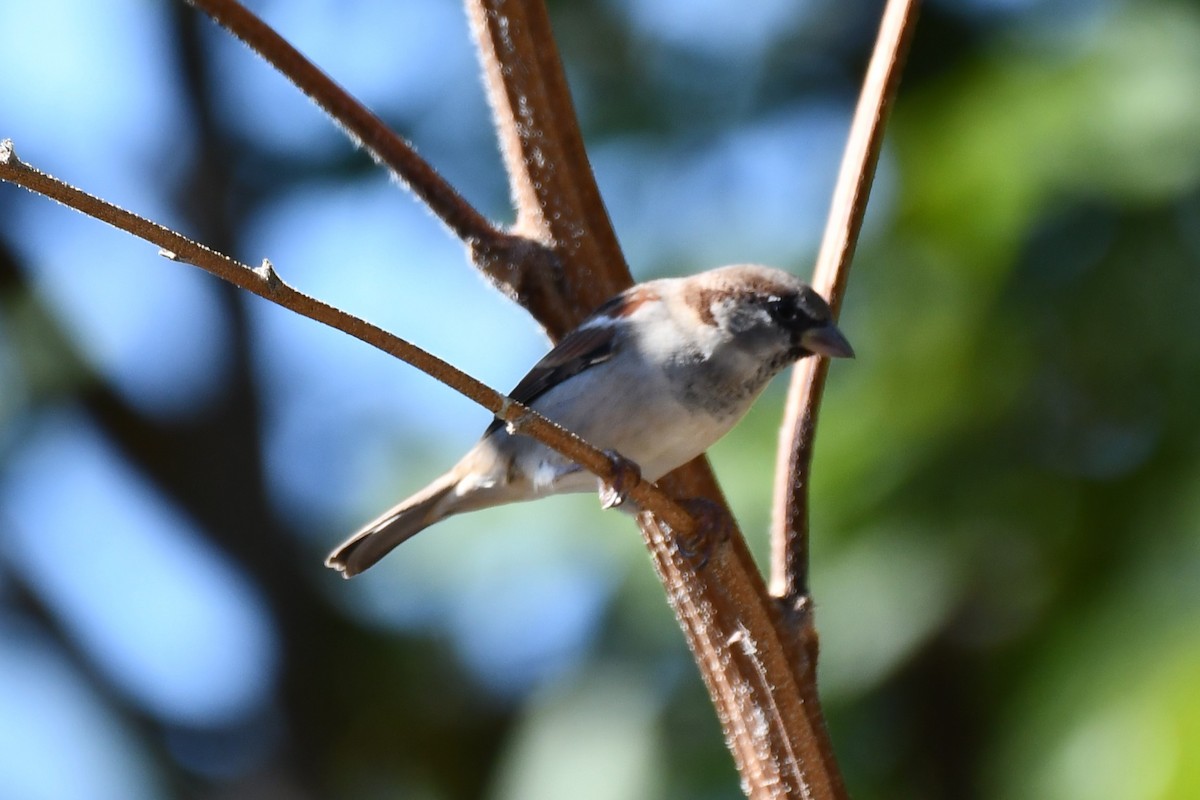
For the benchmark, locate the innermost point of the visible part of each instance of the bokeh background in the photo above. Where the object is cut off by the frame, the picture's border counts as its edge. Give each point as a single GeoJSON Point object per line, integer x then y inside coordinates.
{"type": "Point", "coordinates": [1007, 490]}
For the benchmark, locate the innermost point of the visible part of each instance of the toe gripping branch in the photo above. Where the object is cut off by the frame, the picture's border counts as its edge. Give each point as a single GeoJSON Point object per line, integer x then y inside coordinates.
{"type": "Point", "coordinates": [625, 475]}
{"type": "Point", "coordinates": [714, 527]}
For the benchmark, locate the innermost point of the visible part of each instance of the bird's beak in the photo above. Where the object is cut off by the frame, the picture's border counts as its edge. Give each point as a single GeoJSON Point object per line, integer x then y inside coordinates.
{"type": "Point", "coordinates": [827, 341]}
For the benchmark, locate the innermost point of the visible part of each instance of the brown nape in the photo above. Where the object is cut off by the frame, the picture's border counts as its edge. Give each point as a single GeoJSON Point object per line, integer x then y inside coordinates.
{"type": "Point", "coordinates": [626, 302]}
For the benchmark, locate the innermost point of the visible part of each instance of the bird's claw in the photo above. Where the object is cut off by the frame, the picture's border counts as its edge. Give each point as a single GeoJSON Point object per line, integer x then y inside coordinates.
{"type": "Point", "coordinates": [625, 475]}
{"type": "Point", "coordinates": [714, 526]}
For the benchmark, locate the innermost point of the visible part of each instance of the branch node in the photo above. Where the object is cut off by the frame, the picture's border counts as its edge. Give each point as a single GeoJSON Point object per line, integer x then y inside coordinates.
{"type": "Point", "coordinates": [520, 415]}
{"type": "Point", "coordinates": [506, 405]}
{"type": "Point", "coordinates": [8, 154]}
{"type": "Point", "coordinates": [266, 271]}
{"type": "Point", "coordinates": [509, 414]}
{"type": "Point", "coordinates": [168, 254]}
{"type": "Point", "coordinates": [526, 271]}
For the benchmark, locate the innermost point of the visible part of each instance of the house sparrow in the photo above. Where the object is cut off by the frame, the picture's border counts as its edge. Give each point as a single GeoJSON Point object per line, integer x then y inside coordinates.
{"type": "Point", "coordinates": [658, 373]}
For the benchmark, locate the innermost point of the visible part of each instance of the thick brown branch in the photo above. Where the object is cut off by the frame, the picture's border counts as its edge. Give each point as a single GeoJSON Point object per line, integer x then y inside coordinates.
{"type": "Point", "coordinates": [265, 282]}
{"type": "Point", "coordinates": [558, 203]}
{"type": "Point", "coordinates": [773, 727]}
{"type": "Point", "coordinates": [772, 722]}
{"type": "Point", "coordinates": [789, 529]}
{"type": "Point", "coordinates": [723, 610]}
{"type": "Point", "coordinates": [363, 126]}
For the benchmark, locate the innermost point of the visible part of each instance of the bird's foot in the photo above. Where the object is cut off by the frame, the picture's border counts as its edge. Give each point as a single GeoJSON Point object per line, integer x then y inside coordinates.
{"type": "Point", "coordinates": [714, 526]}
{"type": "Point", "coordinates": [625, 475]}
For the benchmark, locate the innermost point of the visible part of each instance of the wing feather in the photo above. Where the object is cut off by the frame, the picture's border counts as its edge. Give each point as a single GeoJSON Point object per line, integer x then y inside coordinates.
{"type": "Point", "coordinates": [580, 349]}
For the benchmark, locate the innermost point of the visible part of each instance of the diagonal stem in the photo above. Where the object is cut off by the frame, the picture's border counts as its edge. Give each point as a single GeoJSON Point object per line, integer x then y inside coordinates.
{"type": "Point", "coordinates": [789, 528]}
{"type": "Point", "coordinates": [264, 282]}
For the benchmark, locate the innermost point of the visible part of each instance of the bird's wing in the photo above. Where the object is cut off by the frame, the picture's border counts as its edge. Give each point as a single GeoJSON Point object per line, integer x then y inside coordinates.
{"type": "Point", "coordinates": [583, 347]}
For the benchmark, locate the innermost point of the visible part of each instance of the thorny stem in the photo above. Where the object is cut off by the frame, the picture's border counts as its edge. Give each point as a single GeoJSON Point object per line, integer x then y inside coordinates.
{"type": "Point", "coordinates": [265, 282]}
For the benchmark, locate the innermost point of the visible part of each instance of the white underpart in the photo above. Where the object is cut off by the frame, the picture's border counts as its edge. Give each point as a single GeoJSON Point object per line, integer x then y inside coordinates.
{"type": "Point", "coordinates": [546, 473]}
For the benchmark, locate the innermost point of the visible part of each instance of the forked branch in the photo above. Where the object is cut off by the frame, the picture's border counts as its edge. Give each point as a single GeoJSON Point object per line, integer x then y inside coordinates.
{"type": "Point", "coordinates": [506, 259]}
{"type": "Point", "coordinates": [559, 263]}
{"type": "Point", "coordinates": [773, 724]}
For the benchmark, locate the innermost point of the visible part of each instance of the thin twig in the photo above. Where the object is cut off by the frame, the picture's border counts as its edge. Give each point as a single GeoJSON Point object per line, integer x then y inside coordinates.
{"type": "Point", "coordinates": [266, 283]}
{"type": "Point", "coordinates": [789, 528]}
{"type": "Point", "coordinates": [359, 122]}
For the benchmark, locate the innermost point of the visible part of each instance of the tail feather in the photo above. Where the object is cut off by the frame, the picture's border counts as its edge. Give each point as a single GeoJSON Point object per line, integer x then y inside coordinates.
{"type": "Point", "coordinates": [392, 528]}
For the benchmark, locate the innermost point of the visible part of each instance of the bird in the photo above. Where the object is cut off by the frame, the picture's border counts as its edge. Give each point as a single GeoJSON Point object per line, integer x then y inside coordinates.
{"type": "Point", "coordinates": [656, 374]}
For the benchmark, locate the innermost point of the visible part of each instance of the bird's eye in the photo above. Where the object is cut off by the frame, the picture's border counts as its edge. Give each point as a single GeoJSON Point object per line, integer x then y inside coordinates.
{"type": "Point", "coordinates": [784, 311]}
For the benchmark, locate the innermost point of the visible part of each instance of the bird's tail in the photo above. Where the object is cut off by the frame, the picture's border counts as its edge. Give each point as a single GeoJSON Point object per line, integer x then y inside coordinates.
{"type": "Point", "coordinates": [394, 527]}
